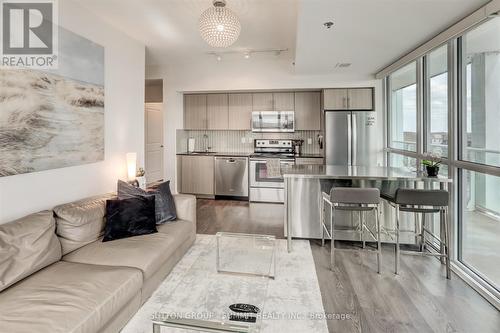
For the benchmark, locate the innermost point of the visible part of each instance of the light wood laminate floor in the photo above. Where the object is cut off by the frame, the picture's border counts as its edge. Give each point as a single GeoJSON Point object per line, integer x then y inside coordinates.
{"type": "Point", "coordinates": [420, 299]}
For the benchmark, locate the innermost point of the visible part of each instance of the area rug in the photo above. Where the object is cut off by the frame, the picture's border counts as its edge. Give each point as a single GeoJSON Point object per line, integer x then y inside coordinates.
{"type": "Point", "coordinates": [291, 302]}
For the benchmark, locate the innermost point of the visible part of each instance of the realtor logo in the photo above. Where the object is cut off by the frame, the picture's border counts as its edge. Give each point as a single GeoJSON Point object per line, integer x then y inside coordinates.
{"type": "Point", "coordinates": [29, 33]}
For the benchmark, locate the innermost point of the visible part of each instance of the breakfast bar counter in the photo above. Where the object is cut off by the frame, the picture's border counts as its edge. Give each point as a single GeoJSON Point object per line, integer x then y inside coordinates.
{"type": "Point", "coordinates": [305, 183]}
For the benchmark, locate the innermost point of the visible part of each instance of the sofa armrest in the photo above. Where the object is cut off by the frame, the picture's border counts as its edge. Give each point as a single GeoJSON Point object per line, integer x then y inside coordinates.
{"type": "Point", "coordinates": [185, 205]}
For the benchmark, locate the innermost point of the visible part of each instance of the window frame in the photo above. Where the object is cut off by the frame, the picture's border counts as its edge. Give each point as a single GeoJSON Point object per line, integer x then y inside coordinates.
{"type": "Point", "coordinates": [457, 103]}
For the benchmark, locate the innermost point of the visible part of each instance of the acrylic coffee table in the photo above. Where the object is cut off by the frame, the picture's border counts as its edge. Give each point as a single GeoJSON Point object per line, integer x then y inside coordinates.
{"type": "Point", "coordinates": [234, 268]}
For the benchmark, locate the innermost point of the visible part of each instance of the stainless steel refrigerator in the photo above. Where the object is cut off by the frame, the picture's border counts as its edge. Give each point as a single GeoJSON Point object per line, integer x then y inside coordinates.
{"type": "Point", "coordinates": [350, 138]}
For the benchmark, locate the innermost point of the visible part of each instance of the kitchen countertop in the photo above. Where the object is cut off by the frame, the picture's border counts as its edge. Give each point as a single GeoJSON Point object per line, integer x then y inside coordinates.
{"type": "Point", "coordinates": [310, 156]}
{"type": "Point", "coordinates": [358, 172]}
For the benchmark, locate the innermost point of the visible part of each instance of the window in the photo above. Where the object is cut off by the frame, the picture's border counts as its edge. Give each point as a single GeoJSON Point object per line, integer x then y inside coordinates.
{"type": "Point", "coordinates": [401, 161]}
{"type": "Point", "coordinates": [476, 137]}
{"type": "Point", "coordinates": [437, 105]}
{"type": "Point", "coordinates": [481, 105]}
{"type": "Point", "coordinates": [479, 204]}
{"type": "Point", "coordinates": [480, 225]}
{"type": "Point", "coordinates": [403, 115]}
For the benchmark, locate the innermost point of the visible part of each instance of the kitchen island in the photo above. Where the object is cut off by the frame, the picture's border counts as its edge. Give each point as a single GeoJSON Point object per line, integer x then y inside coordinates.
{"type": "Point", "coordinates": [305, 183]}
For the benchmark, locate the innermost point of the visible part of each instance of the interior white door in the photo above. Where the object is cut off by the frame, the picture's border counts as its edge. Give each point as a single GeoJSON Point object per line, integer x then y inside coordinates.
{"type": "Point", "coordinates": [154, 142]}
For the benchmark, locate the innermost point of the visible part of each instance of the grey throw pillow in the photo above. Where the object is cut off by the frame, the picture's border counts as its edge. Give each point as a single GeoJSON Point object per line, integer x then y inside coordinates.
{"type": "Point", "coordinates": [164, 201]}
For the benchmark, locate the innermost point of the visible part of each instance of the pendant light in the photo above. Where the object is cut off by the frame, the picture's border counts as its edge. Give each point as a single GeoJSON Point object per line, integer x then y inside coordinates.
{"type": "Point", "coordinates": [219, 26]}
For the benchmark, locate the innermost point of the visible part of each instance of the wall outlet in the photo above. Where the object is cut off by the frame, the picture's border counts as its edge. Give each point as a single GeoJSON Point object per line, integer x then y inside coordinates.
{"type": "Point", "coordinates": [309, 141]}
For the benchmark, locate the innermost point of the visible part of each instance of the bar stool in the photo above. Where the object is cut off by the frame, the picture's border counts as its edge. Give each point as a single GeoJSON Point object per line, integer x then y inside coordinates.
{"type": "Point", "coordinates": [424, 202]}
{"type": "Point", "coordinates": [351, 199]}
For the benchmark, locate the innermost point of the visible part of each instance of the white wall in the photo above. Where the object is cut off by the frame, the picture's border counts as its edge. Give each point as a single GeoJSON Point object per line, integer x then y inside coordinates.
{"type": "Point", "coordinates": [124, 129]}
{"type": "Point", "coordinates": [251, 74]}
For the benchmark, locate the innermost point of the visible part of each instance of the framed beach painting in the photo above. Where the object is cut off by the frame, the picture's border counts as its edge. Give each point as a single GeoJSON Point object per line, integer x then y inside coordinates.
{"type": "Point", "coordinates": [53, 118]}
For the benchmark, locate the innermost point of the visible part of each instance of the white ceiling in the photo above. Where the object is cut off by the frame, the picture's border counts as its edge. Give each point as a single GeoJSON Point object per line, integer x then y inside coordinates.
{"type": "Point", "coordinates": [169, 28]}
{"type": "Point", "coordinates": [370, 34]}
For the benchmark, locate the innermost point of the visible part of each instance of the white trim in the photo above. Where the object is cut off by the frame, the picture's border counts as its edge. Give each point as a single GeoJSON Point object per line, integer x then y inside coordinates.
{"type": "Point", "coordinates": [452, 32]}
{"type": "Point", "coordinates": [467, 276]}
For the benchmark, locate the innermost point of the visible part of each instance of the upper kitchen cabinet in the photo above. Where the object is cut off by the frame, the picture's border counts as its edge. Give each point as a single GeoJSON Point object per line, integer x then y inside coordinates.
{"type": "Point", "coordinates": [348, 99]}
{"type": "Point", "coordinates": [308, 110]}
{"type": "Point", "coordinates": [217, 111]}
{"type": "Point", "coordinates": [283, 101]}
{"type": "Point", "coordinates": [240, 111]}
{"type": "Point", "coordinates": [335, 99]}
{"type": "Point", "coordinates": [360, 99]}
{"type": "Point", "coordinates": [263, 102]}
{"type": "Point", "coordinates": [195, 112]}
{"type": "Point", "coordinates": [278, 101]}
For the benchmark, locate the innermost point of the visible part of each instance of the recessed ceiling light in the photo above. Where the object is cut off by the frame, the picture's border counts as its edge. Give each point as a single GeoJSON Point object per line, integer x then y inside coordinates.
{"type": "Point", "coordinates": [247, 55]}
{"type": "Point", "coordinates": [218, 57]}
{"type": "Point", "coordinates": [328, 24]}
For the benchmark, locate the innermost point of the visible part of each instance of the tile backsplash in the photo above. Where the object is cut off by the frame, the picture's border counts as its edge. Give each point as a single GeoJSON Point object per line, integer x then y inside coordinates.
{"type": "Point", "coordinates": [241, 141]}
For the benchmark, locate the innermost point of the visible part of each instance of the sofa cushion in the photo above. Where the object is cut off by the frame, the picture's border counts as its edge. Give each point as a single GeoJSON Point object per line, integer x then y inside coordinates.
{"type": "Point", "coordinates": [129, 217]}
{"type": "Point", "coordinates": [81, 222]}
{"type": "Point", "coordinates": [26, 246]}
{"type": "Point", "coordinates": [147, 253]}
{"type": "Point", "coordinates": [164, 202]}
{"type": "Point", "coordinates": [68, 297]}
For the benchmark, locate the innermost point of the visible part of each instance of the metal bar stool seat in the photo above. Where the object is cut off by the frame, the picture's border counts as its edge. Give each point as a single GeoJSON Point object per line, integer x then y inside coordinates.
{"type": "Point", "coordinates": [351, 199]}
{"type": "Point", "coordinates": [424, 202]}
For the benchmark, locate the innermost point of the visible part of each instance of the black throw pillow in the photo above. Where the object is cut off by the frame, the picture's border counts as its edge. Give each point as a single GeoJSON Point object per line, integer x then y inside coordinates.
{"type": "Point", "coordinates": [164, 201]}
{"type": "Point", "coordinates": [129, 217]}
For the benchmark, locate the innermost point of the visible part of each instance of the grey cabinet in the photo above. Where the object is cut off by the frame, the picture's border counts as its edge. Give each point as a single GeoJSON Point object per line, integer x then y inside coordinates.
{"type": "Point", "coordinates": [262, 102]}
{"type": "Point", "coordinates": [195, 112]}
{"type": "Point", "coordinates": [284, 101]}
{"type": "Point", "coordinates": [335, 99]}
{"type": "Point", "coordinates": [217, 111]}
{"type": "Point", "coordinates": [348, 99]}
{"type": "Point", "coordinates": [197, 175]}
{"type": "Point", "coordinates": [308, 110]}
{"type": "Point", "coordinates": [240, 111]}
{"type": "Point", "coordinates": [360, 99]}
{"type": "Point", "coordinates": [277, 101]}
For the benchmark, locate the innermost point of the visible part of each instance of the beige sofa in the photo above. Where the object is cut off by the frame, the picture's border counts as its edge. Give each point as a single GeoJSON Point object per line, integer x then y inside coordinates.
{"type": "Point", "coordinates": [56, 275]}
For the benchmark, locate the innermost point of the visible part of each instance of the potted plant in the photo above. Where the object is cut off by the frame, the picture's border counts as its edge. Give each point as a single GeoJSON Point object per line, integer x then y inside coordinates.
{"type": "Point", "coordinates": [140, 177]}
{"type": "Point", "coordinates": [431, 164]}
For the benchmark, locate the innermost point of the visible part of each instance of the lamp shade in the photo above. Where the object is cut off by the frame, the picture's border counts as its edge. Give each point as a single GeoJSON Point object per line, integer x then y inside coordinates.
{"type": "Point", "coordinates": [131, 165]}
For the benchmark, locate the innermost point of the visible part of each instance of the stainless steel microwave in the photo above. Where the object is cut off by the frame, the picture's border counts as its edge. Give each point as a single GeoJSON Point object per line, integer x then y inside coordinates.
{"type": "Point", "coordinates": [273, 121]}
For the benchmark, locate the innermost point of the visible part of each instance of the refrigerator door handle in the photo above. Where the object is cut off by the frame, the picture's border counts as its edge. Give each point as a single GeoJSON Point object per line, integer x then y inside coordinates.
{"type": "Point", "coordinates": [354, 139]}
{"type": "Point", "coordinates": [349, 139]}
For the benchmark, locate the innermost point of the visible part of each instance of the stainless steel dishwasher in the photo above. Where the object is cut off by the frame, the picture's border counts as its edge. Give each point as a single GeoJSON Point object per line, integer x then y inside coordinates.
{"type": "Point", "coordinates": [231, 176]}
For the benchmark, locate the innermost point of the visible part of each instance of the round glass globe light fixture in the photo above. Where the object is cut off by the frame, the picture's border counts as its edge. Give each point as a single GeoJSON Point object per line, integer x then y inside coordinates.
{"type": "Point", "coordinates": [219, 26]}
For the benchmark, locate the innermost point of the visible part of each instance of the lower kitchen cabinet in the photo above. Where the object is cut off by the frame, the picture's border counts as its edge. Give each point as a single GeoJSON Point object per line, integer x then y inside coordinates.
{"type": "Point", "coordinates": [197, 175]}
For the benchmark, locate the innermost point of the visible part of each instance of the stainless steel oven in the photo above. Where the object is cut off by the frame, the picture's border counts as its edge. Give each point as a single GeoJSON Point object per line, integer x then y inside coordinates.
{"type": "Point", "coordinates": [259, 176]}
{"type": "Point", "coordinates": [273, 121]}
{"type": "Point", "coordinates": [266, 181]}
{"type": "Point", "coordinates": [265, 187]}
